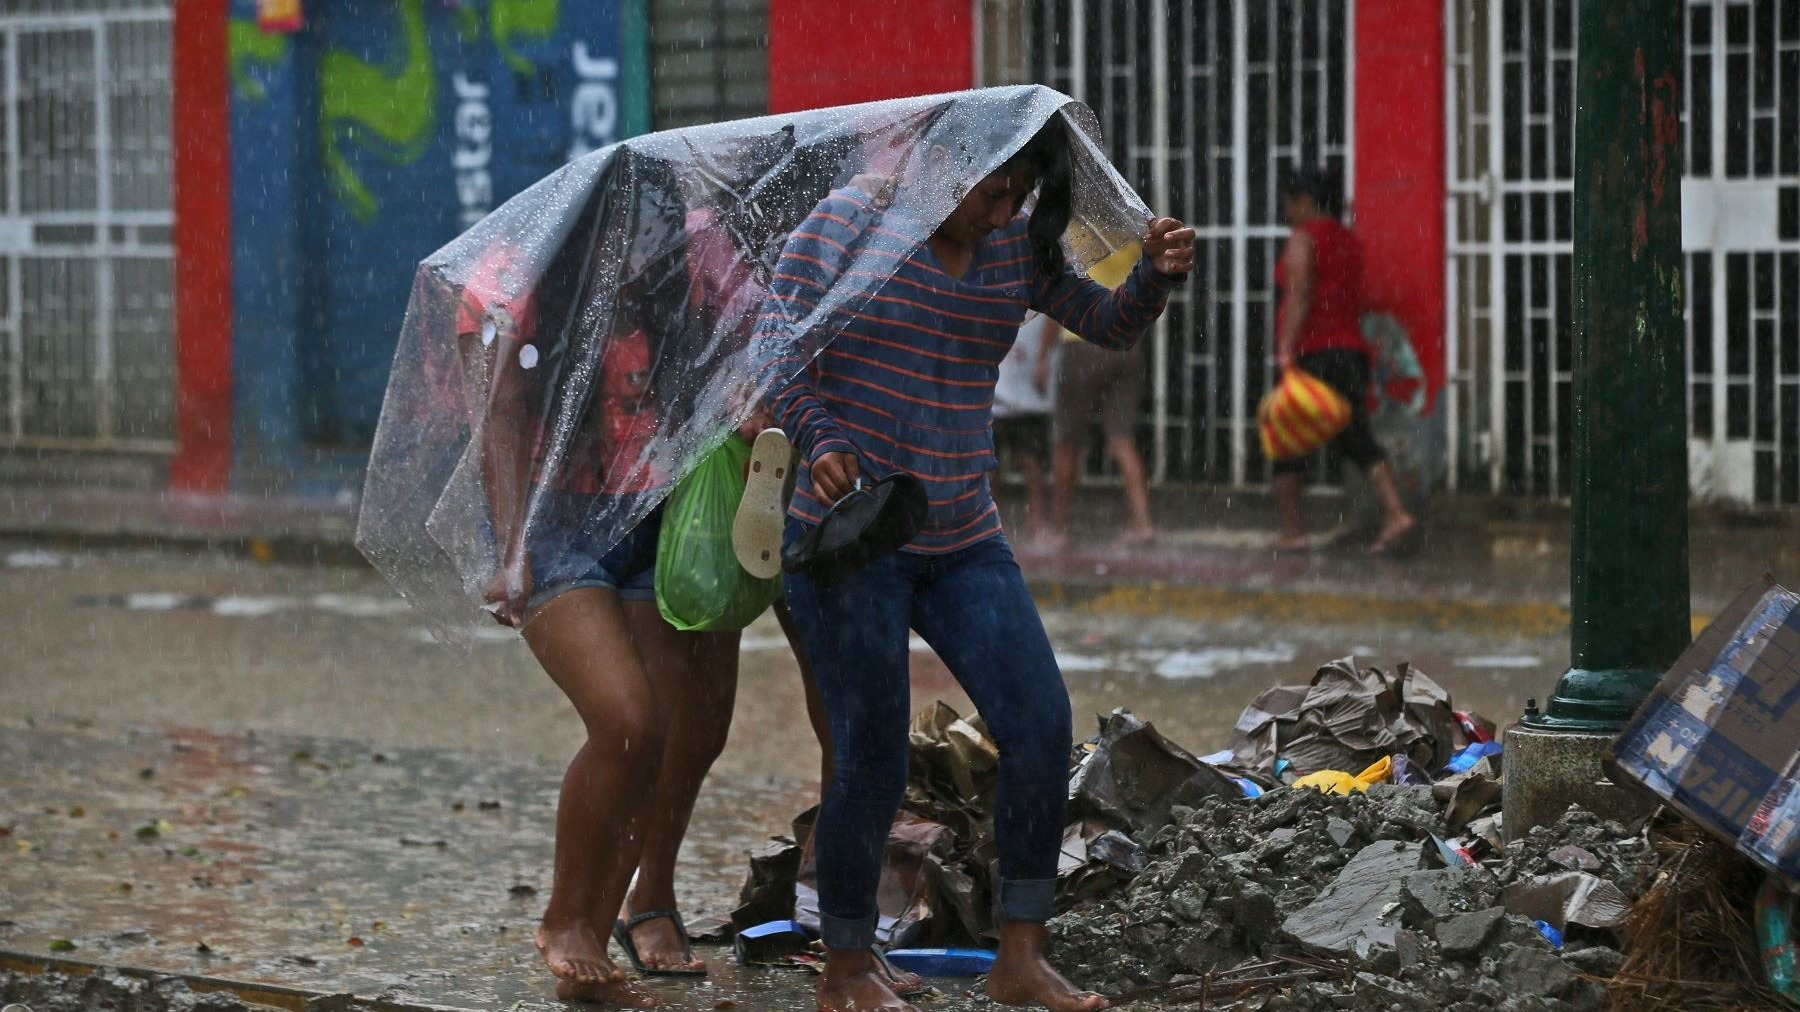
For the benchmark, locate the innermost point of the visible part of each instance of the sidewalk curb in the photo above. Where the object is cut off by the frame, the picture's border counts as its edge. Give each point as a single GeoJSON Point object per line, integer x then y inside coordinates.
{"type": "Point", "coordinates": [278, 996]}
{"type": "Point", "coordinates": [321, 548]}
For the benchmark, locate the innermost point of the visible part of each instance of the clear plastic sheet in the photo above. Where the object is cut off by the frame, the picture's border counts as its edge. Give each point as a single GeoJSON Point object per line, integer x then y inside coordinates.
{"type": "Point", "coordinates": [572, 355]}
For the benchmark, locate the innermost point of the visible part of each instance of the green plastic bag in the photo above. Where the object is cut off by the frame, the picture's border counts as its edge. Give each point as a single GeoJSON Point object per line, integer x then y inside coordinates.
{"type": "Point", "coordinates": [700, 586]}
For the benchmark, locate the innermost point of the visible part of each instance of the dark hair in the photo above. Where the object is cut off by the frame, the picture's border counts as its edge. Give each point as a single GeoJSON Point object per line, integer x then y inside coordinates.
{"type": "Point", "coordinates": [1322, 185]}
{"type": "Point", "coordinates": [1045, 158]}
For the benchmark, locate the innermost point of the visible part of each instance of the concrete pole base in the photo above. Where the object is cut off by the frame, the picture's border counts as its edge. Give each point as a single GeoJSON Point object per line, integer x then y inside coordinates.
{"type": "Point", "coordinates": [1547, 771]}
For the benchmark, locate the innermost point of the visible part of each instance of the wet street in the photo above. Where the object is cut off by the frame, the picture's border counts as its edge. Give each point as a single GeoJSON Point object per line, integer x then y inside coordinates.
{"type": "Point", "coordinates": [308, 746]}
{"type": "Point", "coordinates": [134, 638]}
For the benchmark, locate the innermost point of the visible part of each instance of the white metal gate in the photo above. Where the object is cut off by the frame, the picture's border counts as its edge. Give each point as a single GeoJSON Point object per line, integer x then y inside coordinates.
{"type": "Point", "coordinates": [1511, 66]}
{"type": "Point", "coordinates": [86, 289]}
{"type": "Point", "coordinates": [1203, 103]}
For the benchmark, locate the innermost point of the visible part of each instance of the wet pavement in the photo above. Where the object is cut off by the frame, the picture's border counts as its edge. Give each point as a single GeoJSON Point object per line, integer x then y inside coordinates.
{"type": "Point", "coordinates": [140, 638]}
{"type": "Point", "coordinates": [259, 695]}
{"type": "Point", "coordinates": [409, 876]}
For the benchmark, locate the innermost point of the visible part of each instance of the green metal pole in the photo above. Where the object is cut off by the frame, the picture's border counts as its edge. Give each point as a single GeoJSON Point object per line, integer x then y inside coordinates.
{"type": "Point", "coordinates": [1629, 543]}
{"type": "Point", "coordinates": [634, 48]}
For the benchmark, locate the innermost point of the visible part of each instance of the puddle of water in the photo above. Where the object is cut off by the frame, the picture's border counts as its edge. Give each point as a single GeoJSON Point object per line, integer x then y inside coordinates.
{"type": "Point", "coordinates": [35, 559]}
{"type": "Point", "coordinates": [360, 605]}
{"type": "Point", "coordinates": [1498, 661]}
{"type": "Point", "coordinates": [1207, 662]}
{"type": "Point", "coordinates": [160, 602]}
{"type": "Point", "coordinates": [250, 607]}
{"type": "Point", "coordinates": [1081, 662]}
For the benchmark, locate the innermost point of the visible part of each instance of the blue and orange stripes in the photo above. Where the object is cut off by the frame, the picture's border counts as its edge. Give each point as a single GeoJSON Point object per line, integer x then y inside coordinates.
{"type": "Point", "coordinates": [907, 382]}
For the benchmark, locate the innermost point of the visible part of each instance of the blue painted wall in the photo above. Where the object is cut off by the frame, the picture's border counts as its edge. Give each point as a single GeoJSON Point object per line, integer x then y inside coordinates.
{"type": "Point", "coordinates": [360, 145]}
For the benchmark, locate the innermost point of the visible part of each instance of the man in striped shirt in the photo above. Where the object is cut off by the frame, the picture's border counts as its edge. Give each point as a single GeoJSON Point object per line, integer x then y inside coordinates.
{"type": "Point", "coordinates": [907, 384]}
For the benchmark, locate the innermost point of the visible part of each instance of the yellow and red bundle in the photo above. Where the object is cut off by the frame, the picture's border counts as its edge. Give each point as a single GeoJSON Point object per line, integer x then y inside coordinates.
{"type": "Point", "coordinates": [1301, 414]}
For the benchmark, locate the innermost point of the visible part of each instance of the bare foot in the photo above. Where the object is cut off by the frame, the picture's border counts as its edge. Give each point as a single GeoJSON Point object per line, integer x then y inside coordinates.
{"type": "Point", "coordinates": [1022, 976]}
{"type": "Point", "coordinates": [1141, 537]}
{"type": "Point", "coordinates": [904, 983]}
{"type": "Point", "coordinates": [1394, 535]}
{"type": "Point", "coordinates": [577, 955]}
{"type": "Point", "coordinates": [854, 982]}
{"type": "Point", "coordinates": [660, 947]}
{"type": "Point", "coordinates": [625, 995]}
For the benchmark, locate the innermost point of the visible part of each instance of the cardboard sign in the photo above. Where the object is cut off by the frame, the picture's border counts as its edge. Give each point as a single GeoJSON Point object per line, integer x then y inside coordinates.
{"type": "Point", "coordinates": [1719, 739]}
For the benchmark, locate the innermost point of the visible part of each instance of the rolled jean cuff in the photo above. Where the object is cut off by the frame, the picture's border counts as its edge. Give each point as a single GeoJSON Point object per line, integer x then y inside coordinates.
{"type": "Point", "coordinates": [847, 933]}
{"type": "Point", "coordinates": [1027, 899]}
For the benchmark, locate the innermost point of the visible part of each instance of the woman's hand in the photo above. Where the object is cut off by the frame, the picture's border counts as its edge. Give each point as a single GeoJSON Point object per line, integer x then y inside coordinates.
{"type": "Point", "coordinates": [877, 188]}
{"type": "Point", "coordinates": [509, 592]}
{"type": "Point", "coordinates": [753, 426]}
{"type": "Point", "coordinates": [834, 475]}
{"type": "Point", "coordinates": [1170, 246]}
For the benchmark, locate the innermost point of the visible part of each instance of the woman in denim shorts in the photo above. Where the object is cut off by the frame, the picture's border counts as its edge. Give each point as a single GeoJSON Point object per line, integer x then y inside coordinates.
{"type": "Point", "coordinates": [656, 703]}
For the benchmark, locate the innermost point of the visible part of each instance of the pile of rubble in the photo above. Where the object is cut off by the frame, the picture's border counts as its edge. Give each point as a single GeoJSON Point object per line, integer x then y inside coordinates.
{"type": "Point", "coordinates": [1345, 852]}
{"type": "Point", "coordinates": [1369, 879]}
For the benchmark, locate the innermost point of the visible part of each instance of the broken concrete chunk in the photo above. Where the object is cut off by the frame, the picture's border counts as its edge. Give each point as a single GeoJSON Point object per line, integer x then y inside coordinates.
{"type": "Point", "coordinates": [1351, 908]}
{"type": "Point", "coordinates": [1255, 913]}
{"type": "Point", "coordinates": [1341, 832]}
{"type": "Point", "coordinates": [1188, 903]}
{"type": "Point", "coordinates": [1430, 896]}
{"type": "Point", "coordinates": [1467, 934]}
{"type": "Point", "coordinates": [1596, 960]}
{"type": "Point", "coordinates": [1534, 972]}
{"type": "Point", "coordinates": [1575, 858]}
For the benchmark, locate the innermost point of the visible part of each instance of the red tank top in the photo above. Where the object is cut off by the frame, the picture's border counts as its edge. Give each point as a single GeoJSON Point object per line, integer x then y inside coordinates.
{"type": "Point", "coordinates": [1335, 319]}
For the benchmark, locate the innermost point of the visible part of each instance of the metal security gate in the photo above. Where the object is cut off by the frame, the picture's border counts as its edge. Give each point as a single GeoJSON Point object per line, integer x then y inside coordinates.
{"type": "Point", "coordinates": [1511, 66]}
{"type": "Point", "coordinates": [1203, 103]}
{"type": "Point", "coordinates": [709, 61]}
{"type": "Point", "coordinates": [86, 290]}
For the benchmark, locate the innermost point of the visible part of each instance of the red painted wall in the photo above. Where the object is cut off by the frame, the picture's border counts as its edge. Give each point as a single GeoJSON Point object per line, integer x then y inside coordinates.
{"type": "Point", "coordinates": [1399, 193]}
{"type": "Point", "coordinates": [201, 80]}
{"type": "Point", "coordinates": [837, 52]}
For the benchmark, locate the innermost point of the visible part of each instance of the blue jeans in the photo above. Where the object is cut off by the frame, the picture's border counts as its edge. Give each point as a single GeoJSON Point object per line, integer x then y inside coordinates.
{"type": "Point", "coordinates": [971, 606]}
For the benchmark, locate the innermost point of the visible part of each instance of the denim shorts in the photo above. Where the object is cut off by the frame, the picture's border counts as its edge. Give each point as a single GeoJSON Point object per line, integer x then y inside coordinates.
{"type": "Point", "coordinates": [562, 561]}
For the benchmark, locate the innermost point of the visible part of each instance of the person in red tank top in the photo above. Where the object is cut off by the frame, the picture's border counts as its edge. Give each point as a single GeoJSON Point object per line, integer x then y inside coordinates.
{"type": "Point", "coordinates": [1318, 328]}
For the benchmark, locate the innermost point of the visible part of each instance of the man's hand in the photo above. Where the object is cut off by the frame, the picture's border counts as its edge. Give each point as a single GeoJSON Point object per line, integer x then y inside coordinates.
{"type": "Point", "coordinates": [1170, 246]}
{"type": "Point", "coordinates": [834, 475]}
{"type": "Point", "coordinates": [1284, 359]}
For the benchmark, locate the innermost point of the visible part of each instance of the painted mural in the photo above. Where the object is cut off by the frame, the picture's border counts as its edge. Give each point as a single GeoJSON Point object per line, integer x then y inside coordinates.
{"type": "Point", "coordinates": [362, 143]}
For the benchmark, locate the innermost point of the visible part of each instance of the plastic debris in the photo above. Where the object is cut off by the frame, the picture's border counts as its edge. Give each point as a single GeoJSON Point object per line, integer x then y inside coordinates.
{"type": "Point", "coordinates": [951, 962]}
{"type": "Point", "coordinates": [1338, 782]}
{"type": "Point", "coordinates": [598, 326]}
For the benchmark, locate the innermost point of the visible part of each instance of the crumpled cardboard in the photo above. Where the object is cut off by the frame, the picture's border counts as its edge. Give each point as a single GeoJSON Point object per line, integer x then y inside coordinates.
{"type": "Point", "coordinates": [1719, 738]}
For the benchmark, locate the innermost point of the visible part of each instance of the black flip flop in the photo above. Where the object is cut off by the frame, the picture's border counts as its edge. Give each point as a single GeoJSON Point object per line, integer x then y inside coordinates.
{"type": "Point", "coordinates": [622, 935]}
{"type": "Point", "coordinates": [868, 523]}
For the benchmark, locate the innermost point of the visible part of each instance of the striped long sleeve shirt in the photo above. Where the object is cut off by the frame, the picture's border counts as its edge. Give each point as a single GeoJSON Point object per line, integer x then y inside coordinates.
{"type": "Point", "coordinates": [907, 383]}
